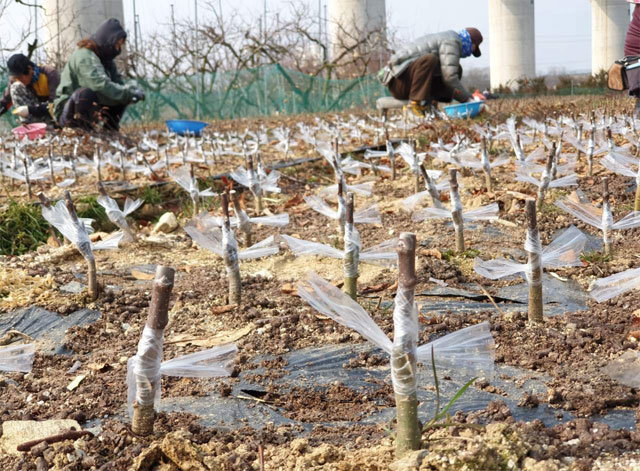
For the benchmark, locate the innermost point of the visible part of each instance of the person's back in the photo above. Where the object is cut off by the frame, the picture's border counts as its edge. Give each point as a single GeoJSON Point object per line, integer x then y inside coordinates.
{"type": "Point", "coordinates": [91, 88]}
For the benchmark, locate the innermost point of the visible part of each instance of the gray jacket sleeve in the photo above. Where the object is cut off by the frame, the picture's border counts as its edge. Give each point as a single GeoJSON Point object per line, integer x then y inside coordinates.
{"type": "Point", "coordinates": [450, 65]}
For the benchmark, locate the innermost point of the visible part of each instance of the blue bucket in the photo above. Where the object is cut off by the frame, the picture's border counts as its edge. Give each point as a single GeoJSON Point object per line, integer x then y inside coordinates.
{"type": "Point", "coordinates": [186, 126]}
{"type": "Point", "coordinates": [463, 110]}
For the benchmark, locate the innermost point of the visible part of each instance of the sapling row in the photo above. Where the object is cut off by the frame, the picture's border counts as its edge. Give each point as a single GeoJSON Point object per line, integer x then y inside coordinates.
{"type": "Point", "coordinates": [144, 370]}
{"type": "Point", "coordinates": [467, 350]}
{"type": "Point", "coordinates": [351, 252]}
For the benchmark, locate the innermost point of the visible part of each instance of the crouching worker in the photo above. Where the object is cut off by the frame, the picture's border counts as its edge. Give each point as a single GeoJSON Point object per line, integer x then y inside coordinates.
{"type": "Point", "coordinates": [428, 69]}
{"type": "Point", "coordinates": [30, 91]}
{"type": "Point", "coordinates": [91, 88]}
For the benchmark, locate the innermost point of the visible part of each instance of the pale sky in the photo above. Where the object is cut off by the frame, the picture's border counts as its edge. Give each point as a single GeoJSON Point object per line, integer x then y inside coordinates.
{"type": "Point", "coordinates": [563, 27]}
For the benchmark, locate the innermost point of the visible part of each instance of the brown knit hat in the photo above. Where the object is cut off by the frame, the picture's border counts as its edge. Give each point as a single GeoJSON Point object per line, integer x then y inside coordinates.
{"type": "Point", "coordinates": [476, 38]}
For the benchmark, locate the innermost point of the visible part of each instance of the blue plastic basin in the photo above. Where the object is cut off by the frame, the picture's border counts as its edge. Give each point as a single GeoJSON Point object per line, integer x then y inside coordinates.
{"type": "Point", "coordinates": [184, 126]}
{"type": "Point", "coordinates": [463, 110]}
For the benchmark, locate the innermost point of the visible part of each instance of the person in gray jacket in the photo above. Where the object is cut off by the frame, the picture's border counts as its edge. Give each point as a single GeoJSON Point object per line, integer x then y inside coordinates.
{"type": "Point", "coordinates": [429, 69]}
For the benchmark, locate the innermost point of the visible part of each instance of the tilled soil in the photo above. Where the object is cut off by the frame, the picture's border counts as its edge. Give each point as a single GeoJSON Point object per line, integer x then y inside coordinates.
{"type": "Point", "coordinates": [571, 349]}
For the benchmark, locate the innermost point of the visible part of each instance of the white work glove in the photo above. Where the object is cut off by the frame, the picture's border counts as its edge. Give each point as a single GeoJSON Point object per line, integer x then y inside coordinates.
{"type": "Point", "coordinates": [22, 111]}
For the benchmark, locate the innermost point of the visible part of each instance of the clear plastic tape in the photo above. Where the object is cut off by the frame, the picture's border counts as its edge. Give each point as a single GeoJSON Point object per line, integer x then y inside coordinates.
{"type": "Point", "coordinates": [567, 180]}
{"type": "Point", "coordinates": [351, 250]}
{"type": "Point", "coordinates": [483, 213]}
{"type": "Point", "coordinates": [532, 244]}
{"type": "Point", "coordinates": [277, 220]}
{"type": "Point", "coordinates": [630, 221]}
{"type": "Point", "coordinates": [405, 342]}
{"type": "Point", "coordinates": [110, 243]}
{"type": "Point", "coordinates": [17, 357]}
{"type": "Point", "coordinates": [498, 268]}
{"type": "Point", "coordinates": [262, 249]}
{"type": "Point", "coordinates": [584, 211]}
{"type": "Point", "coordinates": [383, 254]}
{"type": "Point", "coordinates": [335, 304]}
{"type": "Point", "coordinates": [143, 369]}
{"type": "Point", "coordinates": [604, 289]}
{"type": "Point", "coordinates": [317, 204]}
{"type": "Point", "coordinates": [211, 241]}
{"type": "Point", "coordinates": [412, 201]}
{"type": "Point", "coordinates": [230, 250]}
{"type": "Point", "coordinates": [430, 213]}
{"type": "Point", "coordinates": [465, 352]}
{"type": "Point", "coordinates": [240, 176]}
{"type": "Point", "coordinates": [607, 222]}
{"type": "Point", "coordinates": [522, 176]}
{"type": "Point", "coordinates": [565, 249]}
{"type": "Point", "coordinates": [210, 363]}
{"type": "Point", "coordinates": [456, 201]}
{"type": "Point", "coordinates": [369, 215]}
{"type": "Point", "coordinates": [301, 247]}
{"type": "Point", "coordinates": [243, 221]}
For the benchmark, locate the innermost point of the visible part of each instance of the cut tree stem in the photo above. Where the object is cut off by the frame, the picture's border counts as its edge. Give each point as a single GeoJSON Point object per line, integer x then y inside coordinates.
{"type": "Point", "coordinates": [86, 252]}
{"type": "Point", "coordinates": [403, 354]}
{"type": "Point", "coordinates": [535, 267]}
{"type": "Point", "coordinates": [546, 176]}
{"type": "Point", "coordinates": [158, 318]}
{"type": "Point", "coordinates": [230, 255]}
{"type": "Point", "coordinates": [431, 188]}
{"type": "Point", "coordinates": [608, 251]}
{"type": "Point", "coordinates": [243, 219]}
{"type": "Point", "coordinates": [456, 213]}
{"type": "Point", "coordinates": [351, 254]}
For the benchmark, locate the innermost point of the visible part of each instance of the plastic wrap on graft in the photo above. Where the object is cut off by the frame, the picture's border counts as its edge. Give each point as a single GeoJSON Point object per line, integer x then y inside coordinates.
{"type": "Point", "coordinates": [143, 369]}
{"type": "Point", "coordinates": [532, 244]}
{"type": "Point", "coordinates": [351, 251]}
{"type": "Point", "coordinates": [468, 351]}
{"type": "Point", "coordinates": [405, 343]}
{"type": "Point", "coordinates": [304, 247]}
{"type": "Point", "coordinates": [213, 362]}
{"type": "Point", "coordinates": [17, 357]}
{"type": "Point", "coordinates": [604, 289]}
{"type": "Point", "coordinates": [230, 250]}
{"type": "Point", "coordinates": [330, 301]}
{"type": "Point", "coordinates": [607, 222]}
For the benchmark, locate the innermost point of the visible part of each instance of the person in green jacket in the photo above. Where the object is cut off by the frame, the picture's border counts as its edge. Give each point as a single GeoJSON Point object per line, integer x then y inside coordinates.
{"type": "Point", "coordinates": [91, 88]}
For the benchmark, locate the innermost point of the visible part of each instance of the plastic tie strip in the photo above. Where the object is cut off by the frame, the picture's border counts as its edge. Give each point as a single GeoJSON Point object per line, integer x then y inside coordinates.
{"type": "Point", "coordinates": [382, 254]}
{"type": "Point", "coordinates": [607, 288]}
{"type": "Point", "coordinates": [369, 215]}
{"type": "Point", "coordinates": [17, 357]}
{"type": "Point", "coordinates": [563, 251]}
{"type": "Point", "coordinates": [211, 238]}
{"type": "Point", "coordinates": [469, 351]}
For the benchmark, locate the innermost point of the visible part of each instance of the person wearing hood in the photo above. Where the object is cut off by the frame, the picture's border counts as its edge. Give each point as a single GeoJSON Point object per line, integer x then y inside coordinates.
{"type": "Point", "coordinates": [428, 69]}
{"type": "Point", "coordinates": [31, 89]}
{"type": "Point", "coordinates": [91, 88]}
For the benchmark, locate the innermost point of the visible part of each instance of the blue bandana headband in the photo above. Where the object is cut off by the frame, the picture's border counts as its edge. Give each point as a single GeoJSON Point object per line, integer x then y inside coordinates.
{"type": "Point", "coordinates": [467, 47]}
{"type": "Point", "coordinates": [36, 75]}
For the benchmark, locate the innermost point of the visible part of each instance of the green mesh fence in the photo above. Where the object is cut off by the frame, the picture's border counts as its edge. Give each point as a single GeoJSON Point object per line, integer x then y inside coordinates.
{"type": "Point", "coordinates": [267, 90]}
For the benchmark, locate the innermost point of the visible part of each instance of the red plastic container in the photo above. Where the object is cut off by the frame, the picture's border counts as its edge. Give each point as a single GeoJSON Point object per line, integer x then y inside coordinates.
{"type": "Point", "coordinates": [32, 131]}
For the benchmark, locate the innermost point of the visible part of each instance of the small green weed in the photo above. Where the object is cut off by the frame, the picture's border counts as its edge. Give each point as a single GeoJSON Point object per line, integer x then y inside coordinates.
{"type": "Point", "coordinates": [22, 229]}
{"type": "Point", "coordinates": [450, 254]}
{"type": "Point", "coordinates": [151, 195]}
{"type": "Point", "coordinates": [595, 257]}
